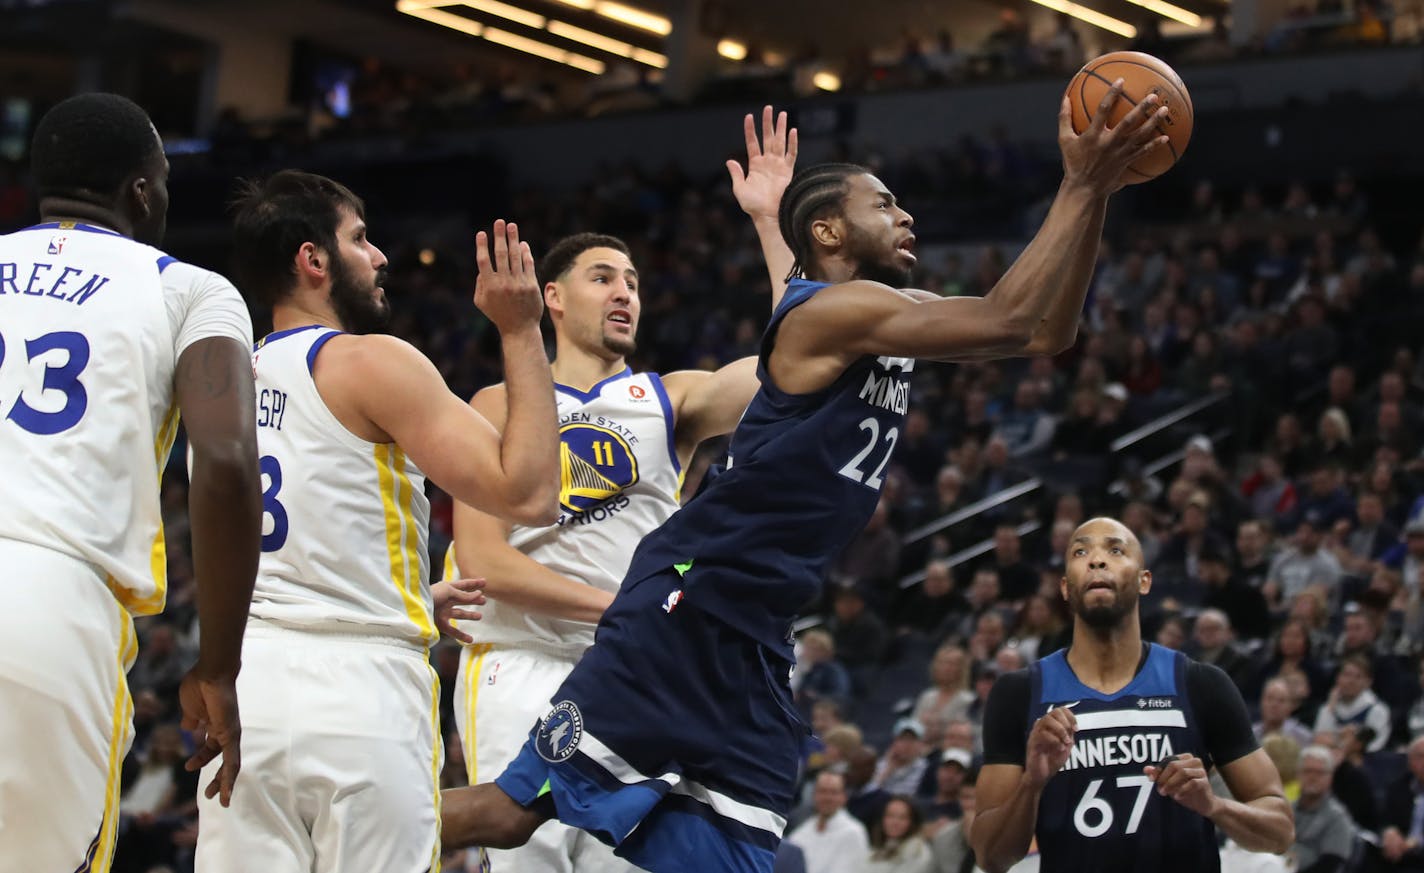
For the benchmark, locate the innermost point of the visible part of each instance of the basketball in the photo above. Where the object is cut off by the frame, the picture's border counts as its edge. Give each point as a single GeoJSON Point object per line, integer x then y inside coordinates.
{"type": "Point", "coordinates": [1142, 74]}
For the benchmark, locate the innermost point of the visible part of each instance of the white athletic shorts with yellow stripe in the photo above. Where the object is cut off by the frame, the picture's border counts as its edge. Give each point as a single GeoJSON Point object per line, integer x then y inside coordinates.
{"type": "Point", "coordinates": [500, 693]}
{"type": "Point", "coordinates": [65, 712]}
{"type": "Point", "coordinates": [341, 759]}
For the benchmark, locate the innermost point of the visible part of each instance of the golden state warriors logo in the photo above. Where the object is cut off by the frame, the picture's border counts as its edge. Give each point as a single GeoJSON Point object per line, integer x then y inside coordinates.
{"type": "Point", "coordinates": [595, 464]}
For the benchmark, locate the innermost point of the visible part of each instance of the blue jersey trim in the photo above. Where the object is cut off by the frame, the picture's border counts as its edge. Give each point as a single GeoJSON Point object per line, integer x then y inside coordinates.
{"type": "Point", "coordinates": [165, 262]}
{"type": "Point", "coordinates": [592, 393]}
{"type": "Point", "coordinates": [73, 225]}
{"type": "Point", "coordinates": [1057, 681]}
{"type": "Point", "coordinates": [316, 347]}
{"type": "Point", "coordinates": [663, 398]}
{"type": "Point", "coordinates": [276, 335]}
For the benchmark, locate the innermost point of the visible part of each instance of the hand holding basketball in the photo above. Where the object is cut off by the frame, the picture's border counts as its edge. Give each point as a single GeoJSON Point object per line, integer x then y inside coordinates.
{"type": "Point", "coordinates": [1141, 76]}
{"type": "Point", "coordinates": [507, 290]}
{"type": "Point", "coordinates": [1100, 156]}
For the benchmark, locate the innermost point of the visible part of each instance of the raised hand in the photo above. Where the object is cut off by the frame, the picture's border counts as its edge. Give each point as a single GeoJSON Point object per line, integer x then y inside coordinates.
{"type": "Point", "coordinates": [449, 597]}
{"type": "Point", "coordinates": [1049, 745]}
{"type": "Point", "coordinates": [1098, 156]}
{"type": "Point", "coordinates": [209, 706]}
{"type": "Point", "coordinates": [507, 290]}
{"type": "Point", "coordinates": [770, 165]}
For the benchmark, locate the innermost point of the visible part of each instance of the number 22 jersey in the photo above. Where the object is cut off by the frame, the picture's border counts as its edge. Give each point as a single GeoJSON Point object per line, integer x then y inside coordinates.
{"type": "Point", "coordinates": [1100, 812]}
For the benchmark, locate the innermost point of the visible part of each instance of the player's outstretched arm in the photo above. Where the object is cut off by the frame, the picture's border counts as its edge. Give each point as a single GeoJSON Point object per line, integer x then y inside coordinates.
{"type": "Point", "coordinates": [706, 404]}
{"type": "Point", "coordinates": [482, 549]}
{"type": "Point", "coordinates": [770, 165]}
{"type": "Point", "coordinates": [395, 388]}
{"type": "Point", "coordinates": [213, 387]}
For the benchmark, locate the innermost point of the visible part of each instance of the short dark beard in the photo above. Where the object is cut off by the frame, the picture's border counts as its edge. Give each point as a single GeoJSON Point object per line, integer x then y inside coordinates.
{"type": "Point", "coordinates": [620, 346]}
{"type": "Point", "coordinates": [886, 274]}
{"type": "Point", "coordinates": [1103, 618]}
{"type": "Point", "coordinates": [356, 306]}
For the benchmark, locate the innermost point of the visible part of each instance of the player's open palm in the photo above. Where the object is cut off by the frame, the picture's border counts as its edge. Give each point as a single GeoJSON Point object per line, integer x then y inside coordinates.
{"type": "Point", "coordinates": [507, 291]}
{"type": "Point", "coordinates": [770, 165]}
{"type": "Point", "coordinates": [210, 713]}
{"type": "Point", "coordinates": [1099, 155]}
{"type": "Point", "coordinates": [451, 599]}
{"type": "Point", "coordinates": [1049, 745]}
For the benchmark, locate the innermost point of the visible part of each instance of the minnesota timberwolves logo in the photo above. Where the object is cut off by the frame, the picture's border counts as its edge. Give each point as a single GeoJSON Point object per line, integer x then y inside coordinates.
{"type": "Point", "coordinates": [595, 464]}
{"type": "Point", "coordinates": [559, 732]}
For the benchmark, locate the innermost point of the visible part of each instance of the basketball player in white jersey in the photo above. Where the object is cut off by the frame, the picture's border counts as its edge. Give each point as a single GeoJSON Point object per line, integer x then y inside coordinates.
{"type": "Point", "coordinates": [625, 439]}
{"type": "Point", "coordinates": [343, 744]}
{"type": "Point", "coordinates": [104, 340]}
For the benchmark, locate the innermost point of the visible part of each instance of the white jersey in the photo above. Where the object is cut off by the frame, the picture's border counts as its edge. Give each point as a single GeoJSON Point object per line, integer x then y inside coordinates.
{"type": "Point", "coordinates": [345, 521]}
{"type": "Point", "coordinates": [92, 325]}
{"type": "Point", "coordinates": [620, 479]}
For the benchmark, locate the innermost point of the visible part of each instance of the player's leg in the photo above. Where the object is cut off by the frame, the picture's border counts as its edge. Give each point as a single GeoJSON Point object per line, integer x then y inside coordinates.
{"type": "Point", "coordinates": [65, 712]}
{"type": "Point", "coordinates": [262, 829]}
{"type": "Point", "coordinates": [371, 758]}
{"type": "Point", "coordinates": [504, 694]}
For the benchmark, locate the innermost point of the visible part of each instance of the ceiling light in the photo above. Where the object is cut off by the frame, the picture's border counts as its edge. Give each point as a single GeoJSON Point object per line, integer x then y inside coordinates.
{"type": "Point", "coordinates": [504, 10]}
{"type": "Point", "coordinates": [634, 17]}
{"type": "Point", "coordinates": [732, 50]}
{"type": "Point", "coordinates": [1167, 10]}
{"type": "Point", "coordinates": [422, 9]}
{"type": "Point", "coordinates": [1097, 19]}
{"type": "Point", "coordinates": [543, 50]}
{"type": "Point", "coordinates": [826, 81]}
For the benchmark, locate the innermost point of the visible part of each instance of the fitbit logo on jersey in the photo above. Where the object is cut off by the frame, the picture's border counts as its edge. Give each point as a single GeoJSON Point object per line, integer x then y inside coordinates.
{"type": "Point", "coordinates": [1155, 703]}
{"type": "Point", "coordinates": [559, 732]}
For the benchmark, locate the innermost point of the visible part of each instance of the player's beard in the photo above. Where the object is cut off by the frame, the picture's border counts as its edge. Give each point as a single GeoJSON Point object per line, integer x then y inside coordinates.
{"type": "Point", "coordinates": [357, 306]}
{"type": "Point", "coordinates": [623, 346]}
{"type": "Point", "coordinates": [872, 264]}
{"type": "Point", "coordinates": [1106, 616]}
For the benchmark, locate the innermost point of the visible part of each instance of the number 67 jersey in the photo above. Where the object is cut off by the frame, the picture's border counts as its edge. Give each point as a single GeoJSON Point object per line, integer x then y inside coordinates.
{"type": "Point", "coordinates": [92, 325]}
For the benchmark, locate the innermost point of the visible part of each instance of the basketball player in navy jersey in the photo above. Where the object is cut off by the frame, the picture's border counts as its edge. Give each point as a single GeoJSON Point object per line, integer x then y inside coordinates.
{"type": "Point", "coordinates": [675, 739]}
{"type": "Point", "coordinates": [1103, 750]}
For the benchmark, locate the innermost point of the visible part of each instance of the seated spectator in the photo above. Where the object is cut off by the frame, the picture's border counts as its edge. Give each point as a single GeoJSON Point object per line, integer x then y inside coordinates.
{"type": "Point", "coordinates": [1304, 563]}
{"type": "Point", "coordinates": [1244, 606]}
{"type": "Point", "coordinates": [1284, 752]}
{"type": "Point", "coordinates": [950, 843]}
{"type": "Point", "coordinates": [160, 800]}
{"type": "Point", "coordinates": [1038, 630]}
{"type": "Point", "coordinates": [1324, 832]}
{"type": "Point", "coordinates": [859, 634]}
{"type": "Point", "coordinates": [1213, 644]}
{"type": "Point", "coordinates": [931, 603]}
{"type": "Point", "coordinates": [903, 765]}
{"type": "Point", "coordinates": [1026, 428]}
{"type": "Point", "coordinates": [1017, 579]}
{"type": "Point", "coordinates": [895, 842]}
{"type": "Point", "coordinates": [1352, 784]}
{"type": "Point", "coordinates": [1353, 702]}
{"type": "Point", "coordinates": [955, 765]}
{"type": "Point", "coordinates": [1253, 552]}
{"type": "Point", "coordinates": [1276, 706]}
{"type": "Point", "coordinates": [818, 675]}
{"type": "Point", "coordinates": [831, 741]}
{"type": "Point", "coordinates": [162, 661]}
{"type": "Point", "coordinates": [1143, 374]}
{"type": "Point", "coordinates": [1325, 497]}
{"type": "Point", "coordinates": [1334, 439]}
{"type": "Point", "coordinates": [1269, 493]}
{"type": "Point", "coordinates": [1181, 554]}
{"type": "Point", "coordinates": [998, 472]}
{"type": "Point", "coordinates": [948, 697]}
{"type": "Point", "coordinates": [1371, 535]}
{"type": "Point", "coordinates": [1078, 432]}
{"type": "Point", "coordinates": [1172, 633]}
{"type": "Point", "coordinates": [1291, 653]}
{"type": "Point", "coordinates": [1402, 841]}
{"type": "Point", "coordinates": [990, 633]}
{"type": "Point", "coordinates": [865, 799]}
{"type": "Point", "coordinates": [832, 840]}
{"type": "Point", "coordinates": [873, 556]}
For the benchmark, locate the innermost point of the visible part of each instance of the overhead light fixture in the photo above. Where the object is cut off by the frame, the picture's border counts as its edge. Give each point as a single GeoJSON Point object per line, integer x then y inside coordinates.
{"type": "Point", "coordinates": [430, 12]}
{"type": "Point", "coordinates": [607, 44]}
{"type": "Point", "coordinates": [732, 50]}
{"type": "Point", "coordinates": [1167, 10]}
{"type": "Point", "coordinates": [1093, 17]}
{"type": "Point", "coordinates": [511, 13]}
{"type": "Point", "coordinates": [826, 81]}
{"type": "Point", "coordinates": [543, 50]}
{"type": "Point", "coordinates": [633, 17]}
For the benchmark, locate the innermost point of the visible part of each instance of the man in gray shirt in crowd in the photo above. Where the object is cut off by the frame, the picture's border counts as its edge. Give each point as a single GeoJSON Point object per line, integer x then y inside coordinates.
{"type": "Point", "coordinates": [1324, 832]}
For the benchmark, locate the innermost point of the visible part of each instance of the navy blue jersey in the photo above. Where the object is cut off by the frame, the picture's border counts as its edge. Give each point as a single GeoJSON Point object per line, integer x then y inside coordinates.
{"type": "Point", "coordinates": [1100, 812]}
{"type": "Point", "coordinates": [804, 477]}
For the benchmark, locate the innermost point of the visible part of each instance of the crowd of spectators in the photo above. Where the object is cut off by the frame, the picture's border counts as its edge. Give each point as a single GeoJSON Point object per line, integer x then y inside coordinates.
{"type": "Point", "coordinates": [1281, 522]}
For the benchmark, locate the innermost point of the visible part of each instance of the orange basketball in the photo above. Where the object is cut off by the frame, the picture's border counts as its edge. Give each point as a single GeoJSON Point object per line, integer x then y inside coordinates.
{"type": "Point", "coordinates": [1142, 74]}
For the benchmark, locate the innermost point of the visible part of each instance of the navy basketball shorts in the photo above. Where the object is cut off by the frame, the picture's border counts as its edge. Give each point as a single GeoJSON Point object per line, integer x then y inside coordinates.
{"type": "Point", "coordinates": [674, 739]}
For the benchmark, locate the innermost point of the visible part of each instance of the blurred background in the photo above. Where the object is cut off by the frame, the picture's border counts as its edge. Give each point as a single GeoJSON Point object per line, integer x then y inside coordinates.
{"type": "Point", "coordinates": [1247, 390]}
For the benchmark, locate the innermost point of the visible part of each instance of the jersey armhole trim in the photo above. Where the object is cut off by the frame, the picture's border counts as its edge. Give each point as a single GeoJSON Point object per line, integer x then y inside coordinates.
{"type": "Point", "coordinates": [668, 418]}
{"type": "Point", "coordinates": [165, 262]}
{"type": "Point", "coordinates": [316, 347]}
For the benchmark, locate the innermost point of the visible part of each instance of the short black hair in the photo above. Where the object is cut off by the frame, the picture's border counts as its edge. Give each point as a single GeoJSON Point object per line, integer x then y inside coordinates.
{"type": "Point", "coordinates": [276, 217]}
{"type": "Point", "coordinates": [87, 146]}
{"type": "Point", "coordinates": [814, 193]}
{"type": "Point", "coordinates": [560, 259]}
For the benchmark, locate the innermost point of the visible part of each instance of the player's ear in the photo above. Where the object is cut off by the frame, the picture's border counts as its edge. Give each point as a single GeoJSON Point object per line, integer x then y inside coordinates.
{"type": "Point", "coordinates": [553, 296]}
{"type": "Point", "coordinates": [1144, 581]}
{"type": "Point", "coordinates": [1063, 587]}
{"type": "Point", "coordinates": [309, 263]}
{"type": "Point", "coordinates": [828, 232]}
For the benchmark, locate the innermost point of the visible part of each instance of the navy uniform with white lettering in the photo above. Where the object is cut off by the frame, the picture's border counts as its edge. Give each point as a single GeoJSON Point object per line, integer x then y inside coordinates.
{"type": "Point", "coordinates": [675, 738]}
{"type": "Point", "coordinates": [1100, 812]}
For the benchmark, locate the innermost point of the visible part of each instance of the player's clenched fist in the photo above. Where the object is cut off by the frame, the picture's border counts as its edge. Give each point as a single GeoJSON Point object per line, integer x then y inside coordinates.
{"type": "Point", "coordinates": [1184, 780]}
{"type": "Point", "coordinates": [507, 290]}
{"type": "Point", "coordinates": [1049, 744]}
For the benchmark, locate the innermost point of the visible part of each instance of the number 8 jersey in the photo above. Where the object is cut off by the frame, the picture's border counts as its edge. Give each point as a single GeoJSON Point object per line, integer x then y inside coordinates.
{"type": "Point", "coordinates": [345, 521]}
{"type": "Point", "coordinates": [92, 325]}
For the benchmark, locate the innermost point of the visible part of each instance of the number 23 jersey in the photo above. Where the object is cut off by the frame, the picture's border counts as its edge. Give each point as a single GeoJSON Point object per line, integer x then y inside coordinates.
{"type": "Point", "coordinates": [1100, 812]}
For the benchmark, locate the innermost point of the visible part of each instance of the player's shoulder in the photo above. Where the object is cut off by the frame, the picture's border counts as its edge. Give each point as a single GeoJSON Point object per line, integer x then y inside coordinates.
{"type": "Point", "coordinates": [1012, 689]}
{"type": "Point", "coordinates": [182, 277]}
{"type": "Point", "coordinates": [1207, 684]}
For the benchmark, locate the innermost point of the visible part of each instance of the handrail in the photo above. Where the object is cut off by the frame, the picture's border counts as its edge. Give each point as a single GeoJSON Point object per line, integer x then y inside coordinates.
{"type": "Point", "coordinates": [1003, 495]}
{"type": "Point", "coordinates": [1173, 457]}
{"type": "Point", "coordinates": [970, 553]}
{"type": "Point", "coordinates": [1162, 422]}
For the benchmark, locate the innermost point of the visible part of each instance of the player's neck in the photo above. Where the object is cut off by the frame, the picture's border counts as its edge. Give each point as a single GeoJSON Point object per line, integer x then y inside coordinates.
{"type": "Point", "coordinates": [582, 370]}
{"type": "Point", "coordinates": [1106, 660]}
{"type": "Point", "coordinates": [53, 209]}
{"type": "Point", "coordinates": [289, 315]}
